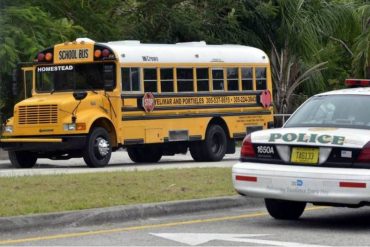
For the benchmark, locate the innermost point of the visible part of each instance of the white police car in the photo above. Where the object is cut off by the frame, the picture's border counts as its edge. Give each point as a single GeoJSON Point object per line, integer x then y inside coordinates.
{"type": "Point", "coordinates": [321, 155]}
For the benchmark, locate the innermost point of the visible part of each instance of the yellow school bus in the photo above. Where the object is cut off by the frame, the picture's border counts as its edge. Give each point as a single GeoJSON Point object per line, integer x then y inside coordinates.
{"type": "Point", "coordinates": [89, 99]}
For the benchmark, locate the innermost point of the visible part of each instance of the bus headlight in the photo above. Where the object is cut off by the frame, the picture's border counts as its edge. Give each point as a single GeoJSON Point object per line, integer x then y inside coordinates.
{"type": "Point", "coordinates": [8, 129]}
{"type": "Point", "coordinates": [74, 126]}
{"type": "Point", "coordinates": [69, 127]}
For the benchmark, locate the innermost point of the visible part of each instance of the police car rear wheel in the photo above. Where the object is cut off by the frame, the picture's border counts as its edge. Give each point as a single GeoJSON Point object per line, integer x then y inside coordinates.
{"type": "Point", "coordinates": [22, 159]}
{"type": "Point", "coordinates": [284, 210]}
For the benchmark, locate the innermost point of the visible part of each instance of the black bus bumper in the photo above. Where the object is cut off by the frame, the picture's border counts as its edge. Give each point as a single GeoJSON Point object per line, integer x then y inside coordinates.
{"type": "Point", "coordinates": [43, 144]}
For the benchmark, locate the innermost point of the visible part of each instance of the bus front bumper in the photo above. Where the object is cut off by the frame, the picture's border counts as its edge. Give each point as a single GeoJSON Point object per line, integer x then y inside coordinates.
{"type": "Point", "coordinates": [42, 144]}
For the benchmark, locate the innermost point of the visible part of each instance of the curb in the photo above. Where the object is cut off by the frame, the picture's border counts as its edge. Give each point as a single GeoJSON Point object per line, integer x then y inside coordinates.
{"type": "Point", "coordinates": [3, 155]}
{"type": "Point", "coordinates": [123, 213]}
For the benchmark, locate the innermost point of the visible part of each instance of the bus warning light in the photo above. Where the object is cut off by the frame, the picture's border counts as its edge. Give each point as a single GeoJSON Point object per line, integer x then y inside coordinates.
{"type": "Point", "coordinates": [97, 53]}
{"type": "Point", "coordinates": [48, 56]}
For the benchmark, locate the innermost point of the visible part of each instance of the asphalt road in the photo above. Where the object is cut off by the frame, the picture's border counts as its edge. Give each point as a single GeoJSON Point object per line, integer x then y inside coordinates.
{"type": "Point", "coordinates": [319, 226]}
{"type": "Point", "coordinates": [119, 162]}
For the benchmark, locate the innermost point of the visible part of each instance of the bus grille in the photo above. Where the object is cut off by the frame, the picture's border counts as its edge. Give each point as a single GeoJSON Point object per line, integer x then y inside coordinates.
{"type": "Point", "coordinates": [38, 114]}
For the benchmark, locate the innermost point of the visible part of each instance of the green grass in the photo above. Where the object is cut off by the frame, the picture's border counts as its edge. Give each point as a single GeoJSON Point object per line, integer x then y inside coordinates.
{"type": "Point", "coordinates": [43, 194]}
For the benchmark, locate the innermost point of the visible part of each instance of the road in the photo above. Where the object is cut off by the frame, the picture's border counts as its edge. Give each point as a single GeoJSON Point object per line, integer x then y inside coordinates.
{"type": "Point", "coordinates": [119, 162]}
{"type": "Point", "coordinates": [319, 226]}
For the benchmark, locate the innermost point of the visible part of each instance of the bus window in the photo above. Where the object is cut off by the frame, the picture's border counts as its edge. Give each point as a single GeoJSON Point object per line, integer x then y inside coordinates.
{"type": "Point", "coordinates": [150, 80]}
{"type": "Point", "coordinates": [218, 79]}
{"type": "Point", "coordinates": [130, 79]}
{"type": "Point", "coordinates": [261, 78]}
{"type": "Point", "coordinates": [167, 80]}
{"type": "Point", "coordinates": [185, 80]}
{"type": "Point", "coordinates": [247, 79]}
{"type": "Point", "coordinates": [202, 79]}
{"type": "Point", "coordinates": [232, 79]}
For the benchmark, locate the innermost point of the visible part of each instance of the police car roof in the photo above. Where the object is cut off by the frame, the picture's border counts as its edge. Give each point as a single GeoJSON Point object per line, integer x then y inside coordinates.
{"type": "Point", "coordinates": [352, 91]}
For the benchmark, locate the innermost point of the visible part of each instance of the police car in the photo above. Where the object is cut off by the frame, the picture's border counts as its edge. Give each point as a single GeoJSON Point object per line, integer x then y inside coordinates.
{"type": "Point", "coordinates": [321, 155]}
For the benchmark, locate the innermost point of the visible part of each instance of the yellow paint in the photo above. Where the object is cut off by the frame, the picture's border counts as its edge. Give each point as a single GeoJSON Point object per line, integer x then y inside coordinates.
{"type": "Point", "coordinates": [51, 140]}
{"type": "Point", "coordinates": [73, 53]}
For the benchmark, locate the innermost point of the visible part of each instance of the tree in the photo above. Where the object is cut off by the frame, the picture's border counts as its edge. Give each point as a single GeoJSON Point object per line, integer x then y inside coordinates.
{"type": "Point", "coordinates": [361, 56]}
{"type": "Point", "coordinates": [26, 30]}
{"type": "Point", "coordinates": [293, 34]}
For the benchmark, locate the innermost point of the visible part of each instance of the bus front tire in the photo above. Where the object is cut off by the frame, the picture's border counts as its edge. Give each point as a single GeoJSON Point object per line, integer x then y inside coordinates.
{"type": "Point", "coordinates": [98, 148]}
{"type": "Point", "coordinates": [215, 143]}
{"type": "Point", "coordinates": [145, 154]}
{"type": "Point", "coordinates": [285, 210]}
{"type": "Point", "coordinates": [22, 159]}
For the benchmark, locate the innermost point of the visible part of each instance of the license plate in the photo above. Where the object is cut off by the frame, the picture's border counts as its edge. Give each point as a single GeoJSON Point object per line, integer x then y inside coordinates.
{"type": "Point", "coordinates": [305, 155]}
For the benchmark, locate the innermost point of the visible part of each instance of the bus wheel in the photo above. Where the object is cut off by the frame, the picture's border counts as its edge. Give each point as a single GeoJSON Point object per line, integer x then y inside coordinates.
{"type": "Point", "coordinates": [215, 144]}
{"type": "Point", "coordinates": [22, 159]}
{"type": "Point", "coordinates": [135, 154]}
{"type": "Point", "coordinates": [196, 151]}
{"type": "Point", "coordinates": [146, 154]}
{"type": "Point", "coordinates": [284, 210]}
{"type": "Point", "coordinates": [98, 148]}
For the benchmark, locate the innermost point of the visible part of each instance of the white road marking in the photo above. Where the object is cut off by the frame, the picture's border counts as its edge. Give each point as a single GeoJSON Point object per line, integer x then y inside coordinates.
{"type": "Point", "coordinates": [194, 239]}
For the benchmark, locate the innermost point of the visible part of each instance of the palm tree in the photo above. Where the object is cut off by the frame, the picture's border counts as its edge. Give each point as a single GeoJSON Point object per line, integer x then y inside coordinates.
{"type": "Point", "coordinates": [361, 57]}
{"type": "Point", "coordinates": [293, 33]}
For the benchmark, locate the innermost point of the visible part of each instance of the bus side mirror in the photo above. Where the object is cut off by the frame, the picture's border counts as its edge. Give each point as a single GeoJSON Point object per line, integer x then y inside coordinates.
{"type": "Point", "coordinates": [108, 77]}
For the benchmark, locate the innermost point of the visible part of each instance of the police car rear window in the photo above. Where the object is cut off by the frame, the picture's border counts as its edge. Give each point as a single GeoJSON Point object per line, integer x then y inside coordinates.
{"type": "Point", "coordinates": [340, 111]}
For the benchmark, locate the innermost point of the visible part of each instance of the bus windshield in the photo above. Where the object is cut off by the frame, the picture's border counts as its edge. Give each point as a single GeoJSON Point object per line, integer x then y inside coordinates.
{"type": "Point", "coordinates": [70, 77]}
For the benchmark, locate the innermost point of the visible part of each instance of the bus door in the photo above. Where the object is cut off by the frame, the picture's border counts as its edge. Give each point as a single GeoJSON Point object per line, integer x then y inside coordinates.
{"type": "Point", "coordinates": [22, 82]}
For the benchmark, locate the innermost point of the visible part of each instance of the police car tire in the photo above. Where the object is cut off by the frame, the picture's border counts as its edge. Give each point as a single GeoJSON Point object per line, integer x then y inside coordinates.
{"type": "Point", "coordinates": [146, 154]}
{"type": "Point", "coordinates": [285, 210]}
{"type": "Point", "coordinates": [215, 133]}
{"type": "Point", "coordinates": [196, 151]}
{"type": "Point", "coordinates": [90, 154]}
{"type": "Point", "coordinates": [22, 159]}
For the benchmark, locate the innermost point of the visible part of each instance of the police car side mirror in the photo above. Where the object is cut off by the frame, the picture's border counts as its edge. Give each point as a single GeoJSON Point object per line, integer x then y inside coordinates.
{"type": "Point", "coordinates": [108, 77]}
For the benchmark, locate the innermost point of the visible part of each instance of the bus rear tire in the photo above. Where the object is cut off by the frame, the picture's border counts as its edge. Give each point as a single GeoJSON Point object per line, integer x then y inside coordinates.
{"type": "Point", "coordinates": [145, 154]}
{"type": "Point", "coordinates": [196, 151]}
{"type": "Point", "coordinates": [22, 159]}
{"type": "Point", "coordinates": [98, 148]}
{"type": "Point", "coordinates": [215, 143]}
{"type": "Point", "coordinates": [285, 210]}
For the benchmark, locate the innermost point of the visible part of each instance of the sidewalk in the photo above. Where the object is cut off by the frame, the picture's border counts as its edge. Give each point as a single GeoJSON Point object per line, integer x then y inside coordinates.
{"type": "Point", "coordinates": [123, 213]}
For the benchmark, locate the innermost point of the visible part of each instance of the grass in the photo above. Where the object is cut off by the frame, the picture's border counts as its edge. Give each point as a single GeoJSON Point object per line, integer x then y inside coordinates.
{"type": "Point", "coordinates": [44, 194]}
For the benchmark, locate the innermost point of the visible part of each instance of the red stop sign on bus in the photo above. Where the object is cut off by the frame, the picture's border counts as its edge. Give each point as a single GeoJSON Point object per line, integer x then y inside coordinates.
{"type": "Point", "coordinates": [265, 98]}
{"type": "Point", "coordinates": [148, 102]}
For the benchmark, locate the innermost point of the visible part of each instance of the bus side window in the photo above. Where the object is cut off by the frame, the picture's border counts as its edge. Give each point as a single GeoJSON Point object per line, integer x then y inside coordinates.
{"type": "Point", "coordinates": [150, 80]}
{"type": "Point", "coordinates": [247, 79]}
{"type": "Point", "coordinates": [218, 79]}
{"type": "Point", "coordinates": [130, 79]}
{"type": "Point", "coordinates": [261, 78]}
{"type": "Point", "coordinates": [232, 79]}
{"type": "Point", "coordinates": [202, 79]}
{"type": "Point", "coordinates": [166, 80]}
{"type": "Point", "coordinates": [185, 80]}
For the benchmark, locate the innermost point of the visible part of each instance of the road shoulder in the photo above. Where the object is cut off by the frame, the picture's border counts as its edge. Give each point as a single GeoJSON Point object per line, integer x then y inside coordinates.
{"type": "Point", "coordinates": [118, 214]}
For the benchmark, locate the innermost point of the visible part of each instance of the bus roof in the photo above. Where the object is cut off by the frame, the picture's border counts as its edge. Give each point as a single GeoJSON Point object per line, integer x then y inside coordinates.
{"type": "Point", "coordinates": [130, 51]}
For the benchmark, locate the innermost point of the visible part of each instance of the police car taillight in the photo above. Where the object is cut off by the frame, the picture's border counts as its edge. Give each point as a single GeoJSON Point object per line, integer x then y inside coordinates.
{"type": "Point", "coordinates": [364, 156]}
{"type": "Point", "coordinates": [357, 82]}
{"type": "Point", "coordinates": [247, 148]}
